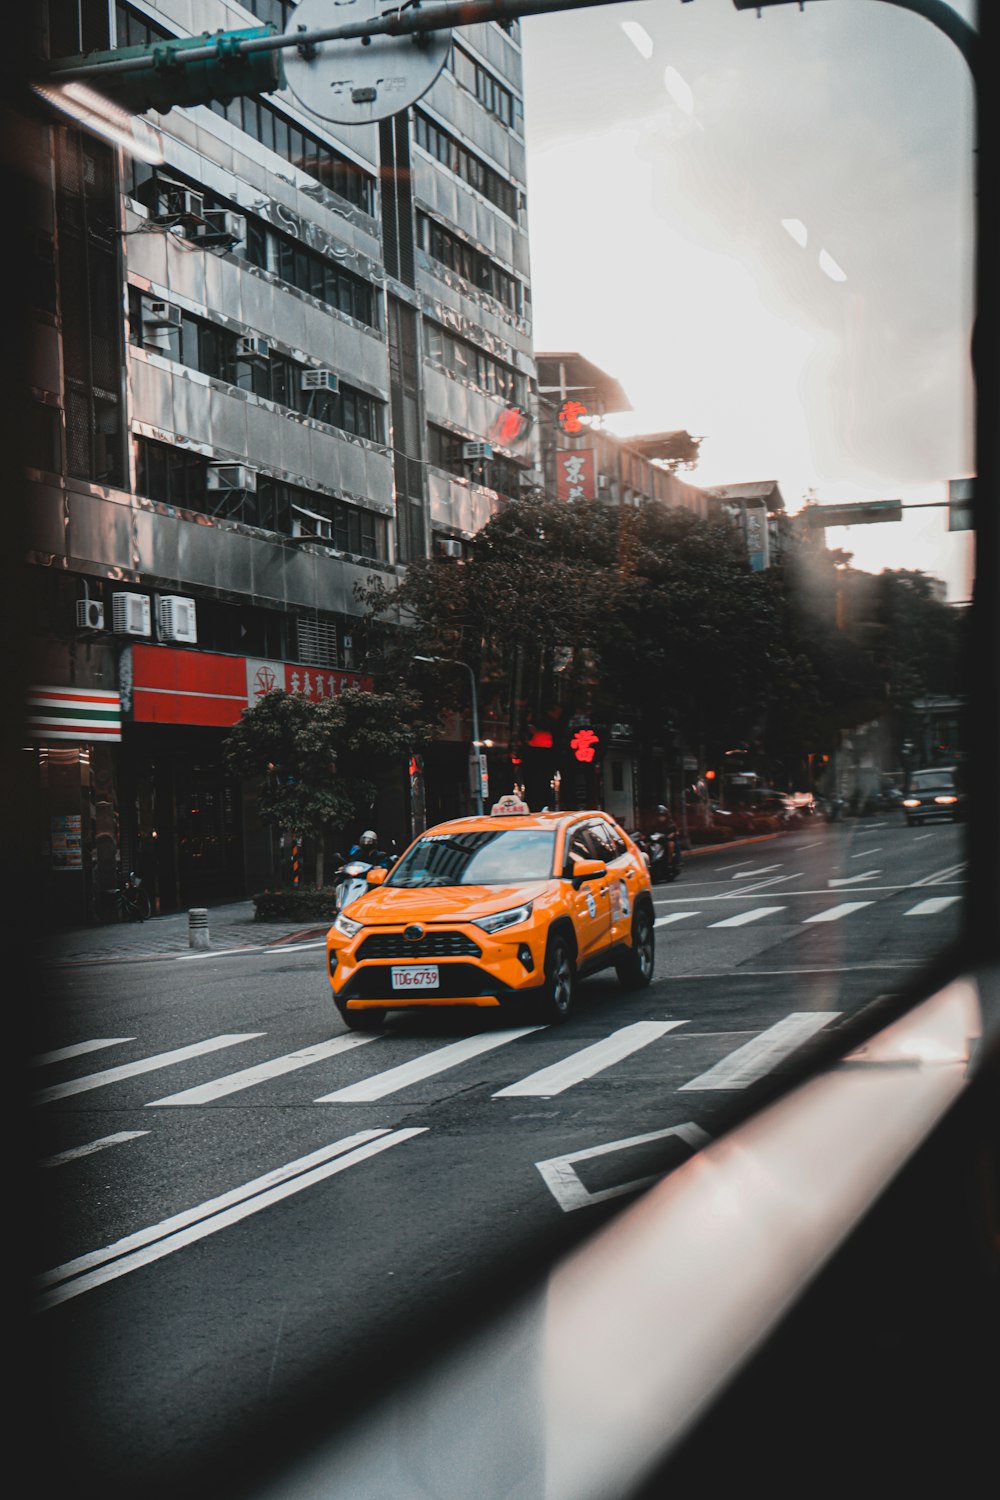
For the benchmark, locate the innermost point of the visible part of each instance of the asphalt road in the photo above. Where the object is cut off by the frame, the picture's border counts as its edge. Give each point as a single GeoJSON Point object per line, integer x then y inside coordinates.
{"type": "Point", "coordinates": [238, 1206]}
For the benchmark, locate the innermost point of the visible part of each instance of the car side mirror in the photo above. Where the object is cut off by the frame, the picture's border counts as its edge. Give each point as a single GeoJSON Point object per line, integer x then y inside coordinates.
{"type": "Point", "coordinates": [376, 876]}
{"type": "Point", "coordinates": [587, 869]}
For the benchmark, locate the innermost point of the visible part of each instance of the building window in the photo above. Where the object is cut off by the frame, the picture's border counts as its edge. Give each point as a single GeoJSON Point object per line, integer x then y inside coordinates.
{"type": "Point", "coordinates": [472, 265]}
{"type": "Point", "coordinates": [491, 93]}
{"type": "Point", "coordinates": [473, 364]}
{"type": "Point", "coordinates": [465, 164]}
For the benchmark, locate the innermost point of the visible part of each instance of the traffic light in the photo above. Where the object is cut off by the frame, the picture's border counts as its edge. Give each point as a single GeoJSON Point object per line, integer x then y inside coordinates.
{"type": "Point", "coordinates": [161, 76]}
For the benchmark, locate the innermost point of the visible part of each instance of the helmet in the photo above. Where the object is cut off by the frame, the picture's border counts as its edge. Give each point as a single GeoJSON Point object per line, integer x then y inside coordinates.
{"type": "Point", "coordinates": [661, 809]}
{"type": "Point", "coordinates": [368, 837]}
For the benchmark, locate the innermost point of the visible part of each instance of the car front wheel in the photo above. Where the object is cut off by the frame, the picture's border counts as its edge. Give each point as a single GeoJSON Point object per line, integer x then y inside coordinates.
{"type": "Point", "coordinates": [635, 968]}
{"type": "Point", "coordinates": [560, 980]}
{"type": "Point", "coordinates": [370, 1019]}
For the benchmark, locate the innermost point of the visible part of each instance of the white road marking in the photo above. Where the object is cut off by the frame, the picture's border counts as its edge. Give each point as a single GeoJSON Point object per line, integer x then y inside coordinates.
{"type": "Point", "coordinates": [295, 947]}
{"type": "Point", "coordinates": [570, 1193]}
{"type": "Point", "coordinates": [743, 917]}
{"type": "Point", "coordinates": [144, 1065]}
{"type": "Point", "coordinates": [941, 877]}
{"type": "Point", "coordinates": [232, 1083]}
{"type": "Point", "coordinates": [588, 1061]}
{"type": "Point", "coordinates": [854, 879]}
{"type": "Point", "coordinates": [78, 1049]}
{"type": "Point", "coordinates": [674, 916]}
{"type": "Point", "coordinates": [834, 913]}
{"type": "Point", "coordinates": [92, 1146]}
{"type": "Point", "coordinates": [99, 1266]}
{"type": "Point", "coordinates": [183, 958]}
{"type": "Point", "coordinates": [931, 905]}
{"type": "Point", "coordinates": [757, 1057]}
{"type": "Point", "coordinates": [419, 1068]}
{"type": "Point", "coordinates": [867, 853]}
{"type": "Point", "coordinates": [813, 845]}
{"type": "Point", "coordinates": [759, 870]}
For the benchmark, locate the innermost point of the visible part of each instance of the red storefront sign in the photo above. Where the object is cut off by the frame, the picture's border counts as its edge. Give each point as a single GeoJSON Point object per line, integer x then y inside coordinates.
{"type": "Point", "coordinates": [575, 474]}
{"type": "Point", "coordinates": [202, 687]}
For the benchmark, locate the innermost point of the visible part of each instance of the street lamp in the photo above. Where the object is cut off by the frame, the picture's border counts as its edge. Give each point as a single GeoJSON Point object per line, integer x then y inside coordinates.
{"type": "Point", "coordinates": [453, 661]}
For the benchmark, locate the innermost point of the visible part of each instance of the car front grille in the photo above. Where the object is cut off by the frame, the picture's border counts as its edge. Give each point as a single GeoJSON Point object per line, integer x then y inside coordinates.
{"type": "Point", "coordinates": [442, 944]}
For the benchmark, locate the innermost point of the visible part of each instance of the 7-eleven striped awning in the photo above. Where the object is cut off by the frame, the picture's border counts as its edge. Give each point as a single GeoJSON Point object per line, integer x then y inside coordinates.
{"type": "Point", "coordinates": [65, 713]}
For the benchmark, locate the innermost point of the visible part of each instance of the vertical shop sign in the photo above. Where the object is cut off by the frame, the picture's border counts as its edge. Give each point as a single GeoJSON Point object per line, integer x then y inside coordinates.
{"type": "Point", "coordinates": [575, 474]}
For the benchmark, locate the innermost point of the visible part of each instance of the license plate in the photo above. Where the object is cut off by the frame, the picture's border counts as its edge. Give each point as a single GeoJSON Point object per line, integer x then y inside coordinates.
{"type": "Point", "coordinates": [415, 977]}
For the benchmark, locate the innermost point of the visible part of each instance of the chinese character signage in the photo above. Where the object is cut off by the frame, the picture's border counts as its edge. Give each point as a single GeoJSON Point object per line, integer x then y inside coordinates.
{"type": "Point", "coordinates": [575, 474]}
{"type": "Point", "coordinates": [585, 745]}
{"type": "Point", "coordinates": [569, 416]}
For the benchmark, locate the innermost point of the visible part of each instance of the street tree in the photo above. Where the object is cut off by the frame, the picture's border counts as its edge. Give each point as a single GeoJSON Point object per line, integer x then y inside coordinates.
{"type": "Point", "coordinates": [316, 764]}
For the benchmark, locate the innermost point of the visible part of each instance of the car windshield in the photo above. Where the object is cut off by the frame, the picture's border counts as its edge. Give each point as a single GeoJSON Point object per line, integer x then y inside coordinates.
{"type": "Point", "coordinates": [924, 781]}
{"type": "Point", "coordinates": [494, 856]}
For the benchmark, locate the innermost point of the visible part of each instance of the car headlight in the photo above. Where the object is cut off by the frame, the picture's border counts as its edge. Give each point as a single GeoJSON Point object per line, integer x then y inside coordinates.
{"type": "Point", "coordinates": [345, 926]}
{"type": "Point", "coordinates": [946, 799]}
{"type": "Point", "coordinates": [911, 801]}
{"type": "Point", "coordinates": [501, 919]}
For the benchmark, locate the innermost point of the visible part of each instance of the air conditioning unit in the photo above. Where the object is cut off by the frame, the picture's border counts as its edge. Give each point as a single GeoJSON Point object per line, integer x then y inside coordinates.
{"type": "Point", "coordinates": [318, 380]}
{"type": "Point", "coordinates": [89, 614]}
{"type": "Point", "coordinates": [177, 618]}
{"type": "Point", "coordinates": [180, 203]}
{"type": "Point", "coordinates": [222, 227]}
{"type": "Point", "coordinates": [231, 477]}
{"type": "Point", "coordinates": [603, 482]}
{"type": "Point", "coordinates": [130, 614]}
{"type": "Point", "coordinates": [448, 546]}
{"type": "Point", "coordinates": [252, 347]}
{"type": "Point", "coordinates": [160, 315]}
{"type": "Point", "coordinates": [475, 452]}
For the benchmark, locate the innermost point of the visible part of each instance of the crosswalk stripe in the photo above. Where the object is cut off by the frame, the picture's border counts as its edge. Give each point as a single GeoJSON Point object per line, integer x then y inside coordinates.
{"type": "Point", "coordinates": [931, 905]}
{"type": "Point", "coordinates": [588, 1061]}
{"type": "Point", "coordinates": [136, 1250]}
{"type": "Point", "coordinates": [79, 1049]}
{"type": "Point", "coordinates": [419, 1068]}
{"type": "Point", "coordinates": [834, 913]}
{"type": "Point", "coordinates": [74, 1154]}
{"type": "Point", "coordinates": [143, 1065]}
{"type": "Point", "coordinates": [743, 917]}
{"type": "Point", "coordinates": [758, 1056]}
{"type": "Point", "coordinates": [674, 916]}
{"type": "Point", "coordinates": [232, 1083]}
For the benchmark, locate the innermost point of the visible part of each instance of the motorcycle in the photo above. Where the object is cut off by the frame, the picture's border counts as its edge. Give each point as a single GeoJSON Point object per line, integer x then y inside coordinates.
{"type": "Point", "coordinates": [664, 857]}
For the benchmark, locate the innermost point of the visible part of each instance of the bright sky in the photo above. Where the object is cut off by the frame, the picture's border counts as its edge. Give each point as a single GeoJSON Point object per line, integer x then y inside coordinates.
{"type": "Point", "coordinates": [763, 228]}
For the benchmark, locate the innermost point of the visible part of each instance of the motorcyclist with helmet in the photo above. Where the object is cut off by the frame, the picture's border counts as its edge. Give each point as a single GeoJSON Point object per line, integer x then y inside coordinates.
{"type": "Point", "coordinates": [367, 849]}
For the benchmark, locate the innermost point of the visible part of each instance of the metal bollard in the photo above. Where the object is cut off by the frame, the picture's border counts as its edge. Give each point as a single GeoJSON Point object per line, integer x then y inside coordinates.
{"type": "Point", "coordinates": [198, 927]}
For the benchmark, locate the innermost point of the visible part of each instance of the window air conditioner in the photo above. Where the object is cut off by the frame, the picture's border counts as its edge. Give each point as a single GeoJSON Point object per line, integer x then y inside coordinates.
{"type": "Point", "coordinates": [449, 547]}
{"type": "Point", "coordinates": [252, 347]}
{"type": "Point", "coordinates": [180, 203]}
{"type": "Point", "coordinates": [474, 452]}
{"type": "Point", "coordinates": [160, 315]}
{"type": "Point", "coordinates": [177, 618]}
{"type": "Point", "coordinates": [318, 380]}
{"type": "Point", "coordinates": [231, 477]}
{"type": "Point", "coordinates": [130, 614]}
{"type": "Point", "coordinates": [89, 614]}
{"type": "Point", "coordinates": [221, 227]}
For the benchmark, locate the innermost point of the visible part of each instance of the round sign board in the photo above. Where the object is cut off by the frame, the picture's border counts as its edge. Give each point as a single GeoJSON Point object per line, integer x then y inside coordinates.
{"type": "Point", "coordinates": [364, 79]}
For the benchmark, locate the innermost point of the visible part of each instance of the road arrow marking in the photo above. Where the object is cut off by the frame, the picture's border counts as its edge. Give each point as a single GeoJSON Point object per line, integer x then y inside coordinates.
{"type": "Point", "coordinates": [570, 1193]}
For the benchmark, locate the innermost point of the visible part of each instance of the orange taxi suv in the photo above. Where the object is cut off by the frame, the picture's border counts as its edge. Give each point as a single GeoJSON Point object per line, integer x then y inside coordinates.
{"type": "Point", "coordinates": [508, 909]}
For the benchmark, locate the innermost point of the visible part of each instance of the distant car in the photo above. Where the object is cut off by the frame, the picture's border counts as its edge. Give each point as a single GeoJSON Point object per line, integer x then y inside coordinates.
{"type": "Point", "coordinates": [763, 810]}
{"type": "Point", "coordinates": [934, 793]}
{"type": "Point", "coordinates": [502, 910]}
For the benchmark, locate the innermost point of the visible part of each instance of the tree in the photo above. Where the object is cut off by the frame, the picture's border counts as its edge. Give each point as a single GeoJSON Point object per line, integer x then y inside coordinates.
{"type": "Point", "coordinates": [316, 762]}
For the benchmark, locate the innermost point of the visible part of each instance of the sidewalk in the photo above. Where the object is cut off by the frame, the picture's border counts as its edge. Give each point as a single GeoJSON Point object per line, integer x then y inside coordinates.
{"type": "Point", "coordinates": [229, 927]}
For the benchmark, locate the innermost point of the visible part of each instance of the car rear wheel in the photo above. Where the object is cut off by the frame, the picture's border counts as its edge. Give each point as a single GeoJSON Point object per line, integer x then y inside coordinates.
{"type": "Point", "coordinates": [560, 980]}
{"type": "Point", "coordinates": [371, 1019]}
{"type": "Point", "coordinates": [635, 968]}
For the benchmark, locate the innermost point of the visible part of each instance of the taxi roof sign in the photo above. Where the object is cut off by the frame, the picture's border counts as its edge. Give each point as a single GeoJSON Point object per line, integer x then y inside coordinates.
{"type": "Point", "coordinates": [509, 804]}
